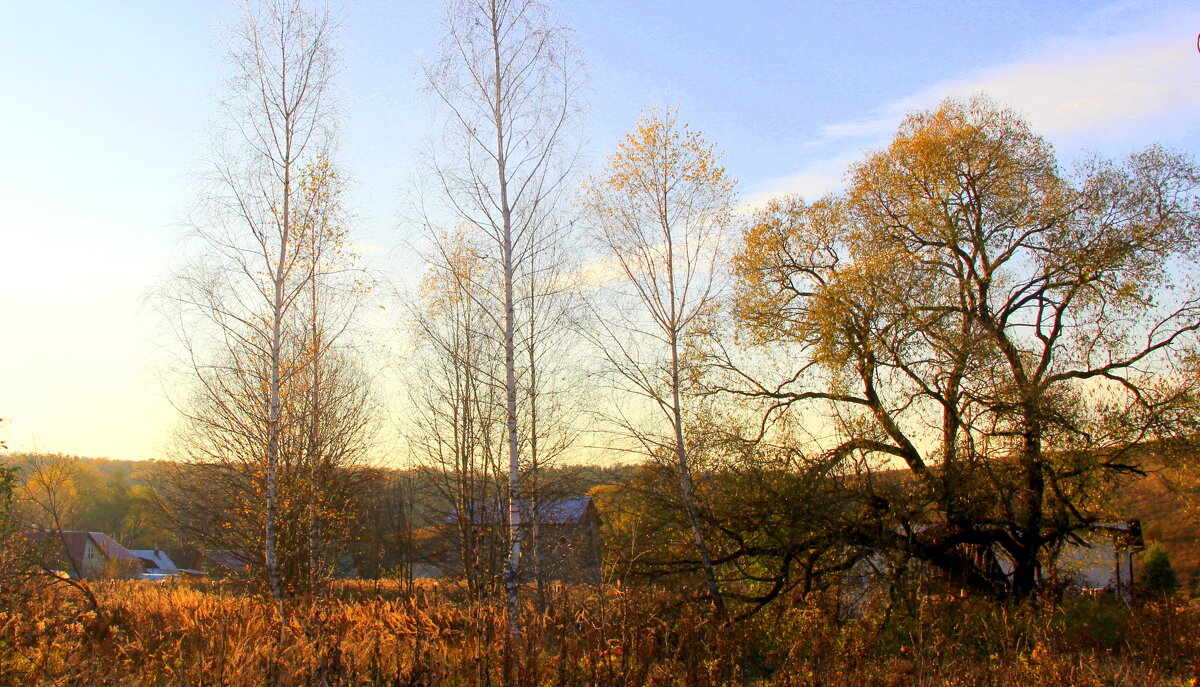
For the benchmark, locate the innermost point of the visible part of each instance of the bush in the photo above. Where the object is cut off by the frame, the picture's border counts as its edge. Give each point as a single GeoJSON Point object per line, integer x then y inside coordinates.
{"type": "Point", "coordinates": [18, 556]}
{"type": "Point", "coordinates": [1158, 577]}
{"type": "Point", "coordinates": [1097, 622]}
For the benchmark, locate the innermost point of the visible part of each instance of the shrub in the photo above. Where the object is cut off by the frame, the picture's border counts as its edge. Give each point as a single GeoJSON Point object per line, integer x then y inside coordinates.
{"type": "Point", "coordinates": [1157, 574]}
{"type": "Point", "coordinates": [18, 556]}
{"type": "Point", "coordinates": [1099, 622]}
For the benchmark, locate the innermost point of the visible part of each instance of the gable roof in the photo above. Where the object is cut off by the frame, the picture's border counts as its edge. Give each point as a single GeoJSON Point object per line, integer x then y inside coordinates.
{"type": "Point", "coordinates": [111, 549]}
{"type": "Point", "coordinates": [550, 511]}
{"type": "Point", "coordinates": [156, 558]}
{"type": "Point", "coordinates": [75, 542]}
{"type": "Point", "coordinates": [232, 560]}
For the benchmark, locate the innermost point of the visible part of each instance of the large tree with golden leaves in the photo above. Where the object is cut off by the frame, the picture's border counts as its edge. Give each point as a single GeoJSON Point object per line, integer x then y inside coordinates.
{"type": "Point", "coordinates": [1006, 333]}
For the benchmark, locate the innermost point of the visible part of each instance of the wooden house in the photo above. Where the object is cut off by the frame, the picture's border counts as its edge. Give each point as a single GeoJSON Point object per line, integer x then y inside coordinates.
{"type": "Point", "coordinates": [90, 555]}
{"type": "Point", "coordinates": [559, 536]}
{"type": "Point", "coordinates": [1103, 559]}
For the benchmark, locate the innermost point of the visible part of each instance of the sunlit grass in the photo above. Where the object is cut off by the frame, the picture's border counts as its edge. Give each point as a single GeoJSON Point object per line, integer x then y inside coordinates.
{"type": "Point", "coordinates": [364, 633]}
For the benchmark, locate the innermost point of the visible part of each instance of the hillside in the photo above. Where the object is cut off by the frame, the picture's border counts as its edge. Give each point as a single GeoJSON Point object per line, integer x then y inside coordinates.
{"type": "Point", "coordinates": [1167, 501]}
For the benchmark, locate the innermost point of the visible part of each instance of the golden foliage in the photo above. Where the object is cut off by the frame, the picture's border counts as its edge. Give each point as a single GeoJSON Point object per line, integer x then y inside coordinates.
{"type": "Point", "coordinates": [661, 200]}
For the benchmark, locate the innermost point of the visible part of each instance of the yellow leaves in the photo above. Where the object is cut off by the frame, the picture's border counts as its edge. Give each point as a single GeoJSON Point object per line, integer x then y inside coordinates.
{"type": "Point", "coordinates": [962, 246]}
{"type": "Point", "coordinates": [951, 169]}
{"type": "Point", "coordinates": [659, 158]}
{"type": "Point", "coordinates": [451, 282]}
{"type": "Point", "coordinates": [663, 187]}
{"type": "Point", "coordinates": [317, 224]}
{"type": "Point", "coordinates": [788, 248]}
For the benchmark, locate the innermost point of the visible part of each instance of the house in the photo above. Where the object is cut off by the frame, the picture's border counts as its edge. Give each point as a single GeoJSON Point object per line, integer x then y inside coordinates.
{"type": "Point", "coordinates": [1103, 558]}
{"type": "Point", "coordinates": [159, 565]}
{"type": "Point", "coordinates": [222, 563]}
{"type": "Point", "coordinates": [157, 561]}
{"type": "Point", "coordinates": [561, 536]}
{"type": "Point", "coordinates": [1100, 559]}
{"type": "Point", "coordinates": [90, 555]}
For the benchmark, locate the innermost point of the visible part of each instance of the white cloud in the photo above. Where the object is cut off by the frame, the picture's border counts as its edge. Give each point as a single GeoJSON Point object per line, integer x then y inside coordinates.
{"type": "Point", "coordinates": [812, 181]}
{"type": "Point", "coordinates": [1135, 87]}
{"type": "Point", "coordinates": [1112, 87]}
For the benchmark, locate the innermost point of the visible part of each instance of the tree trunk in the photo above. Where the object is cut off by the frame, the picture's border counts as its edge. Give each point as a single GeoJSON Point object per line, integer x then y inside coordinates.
{"type": "Point", "coordinates": [273, 428]}
{"type": "Point", "coordinates": [511, 582]}
{"type": "Point", "coordinates": [689, 493]}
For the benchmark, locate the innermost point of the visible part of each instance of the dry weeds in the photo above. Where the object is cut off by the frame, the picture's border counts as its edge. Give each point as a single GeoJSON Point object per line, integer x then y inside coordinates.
{"type": "Point", "coordinates": [367, 634]}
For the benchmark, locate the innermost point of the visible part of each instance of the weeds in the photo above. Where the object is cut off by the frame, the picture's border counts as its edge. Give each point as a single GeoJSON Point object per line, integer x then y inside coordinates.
{"type": "Point", "coordinates": [368, 634]}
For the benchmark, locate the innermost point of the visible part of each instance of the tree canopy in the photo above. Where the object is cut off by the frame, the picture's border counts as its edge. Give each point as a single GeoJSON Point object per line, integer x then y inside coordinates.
{"type": "Point", "coordinates": [1002, 329]}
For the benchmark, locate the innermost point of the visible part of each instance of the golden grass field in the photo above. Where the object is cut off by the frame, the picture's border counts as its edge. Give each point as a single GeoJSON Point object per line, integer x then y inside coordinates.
{"type": "Point", "coordinates": [366, 634]}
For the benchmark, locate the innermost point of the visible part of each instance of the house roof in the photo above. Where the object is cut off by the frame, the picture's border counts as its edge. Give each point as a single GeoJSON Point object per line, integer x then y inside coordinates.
{"type": "Point", "coordinates": [75, 542]}
{"type": "Point", "coordinates": [563, 511]}
{"type": "Point", "coordinates": [1129, 530]}
{"type": "Point", "coordinates": [549, 511]}
{"type": "Point", "coordinates": [233, 560]}
{"type": "Point", "coordinates": [156, 558]}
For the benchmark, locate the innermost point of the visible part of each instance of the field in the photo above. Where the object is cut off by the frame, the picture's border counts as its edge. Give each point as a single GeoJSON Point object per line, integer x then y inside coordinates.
{"type": "Point", "coordinates": [367, 634]}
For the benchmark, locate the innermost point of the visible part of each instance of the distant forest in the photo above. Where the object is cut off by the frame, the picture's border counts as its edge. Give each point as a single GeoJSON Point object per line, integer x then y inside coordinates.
{"type": "Point", "coordinates": [118, 497]}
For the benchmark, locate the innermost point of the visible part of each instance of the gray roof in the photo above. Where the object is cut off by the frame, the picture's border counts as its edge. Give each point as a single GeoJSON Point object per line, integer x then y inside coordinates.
{"type": "Point", "coordinates": [157, 558]}
{"type": "Point", "coordinates": [563, 511]}
{"type": "Point", "coordinates": [75, 542]}
{"type": "Point", "coordinates": [233, 560]}
{"type": "Point", "coordinates": [550, 511]}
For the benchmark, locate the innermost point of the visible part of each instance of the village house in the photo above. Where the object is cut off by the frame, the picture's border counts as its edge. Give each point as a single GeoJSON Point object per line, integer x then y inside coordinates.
{"type": "Point", "coordinates": [89, 555]}
{"type": "Point", "coordinates": [562, 534]}
{"type": "Point", "coordinates": [222, 563]}
{"type": "Point", "coordinates": [1103, 559]}
{"type": "Point", "coordinates": [157, 561]}
{"type": "Point", "coordinates": [159, 565]}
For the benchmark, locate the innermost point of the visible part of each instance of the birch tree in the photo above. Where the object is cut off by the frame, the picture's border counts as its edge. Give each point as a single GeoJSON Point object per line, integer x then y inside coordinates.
{"type": "Point", "coordinates": [660, 209]}
{"type": "Point", "coordinates": [261, 245]}
{"type": "Point", "coordinates": [507, 79]}
{"type": "Point", "coordinates": [458, 397]}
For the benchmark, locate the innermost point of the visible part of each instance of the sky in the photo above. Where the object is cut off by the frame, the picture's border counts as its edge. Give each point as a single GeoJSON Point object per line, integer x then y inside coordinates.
{"type": "Point", "coordinates": [104, 109]}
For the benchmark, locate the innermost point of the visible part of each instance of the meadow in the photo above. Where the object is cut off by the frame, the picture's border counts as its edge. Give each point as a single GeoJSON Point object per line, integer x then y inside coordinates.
{"type": "Point", "coordinates": [386, 634]}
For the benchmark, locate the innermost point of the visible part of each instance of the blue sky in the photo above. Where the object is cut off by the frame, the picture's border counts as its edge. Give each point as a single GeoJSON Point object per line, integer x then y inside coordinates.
{"type": "Point", "coordinates": [105, 107]}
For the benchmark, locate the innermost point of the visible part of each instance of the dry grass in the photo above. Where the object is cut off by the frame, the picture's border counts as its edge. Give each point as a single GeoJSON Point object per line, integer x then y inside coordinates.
{"type": "Point", "coordinates": [376, 635]}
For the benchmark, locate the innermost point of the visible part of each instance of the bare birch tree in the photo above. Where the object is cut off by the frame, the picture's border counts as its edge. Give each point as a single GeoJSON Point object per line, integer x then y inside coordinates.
{"type": "Point", "coordinates": [660, 210]}
{"type": "Point", "coordinates": [260, 232]}
{"type": "Point", "coordinates": [337, 420]}
{"type": "Point", "coordinates": [552, 391]}
{"type": "Point", "coordinates": [458, 393]}
{"type": "Point", "coordinates": [458, 398]}
{"type": "Point", "coordinates": [508, 79]}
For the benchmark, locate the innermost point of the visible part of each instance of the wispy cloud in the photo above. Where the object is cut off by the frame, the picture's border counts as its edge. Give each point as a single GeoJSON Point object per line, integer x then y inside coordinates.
{"type": "Point", "coordinates": [1132, 87]}
{"type": "Point", "coordinates": [1112, 87]}
{"type": "Point", "coordinates": [362, 248]}
{"type": "Point", "coordinates": [811, 181]}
